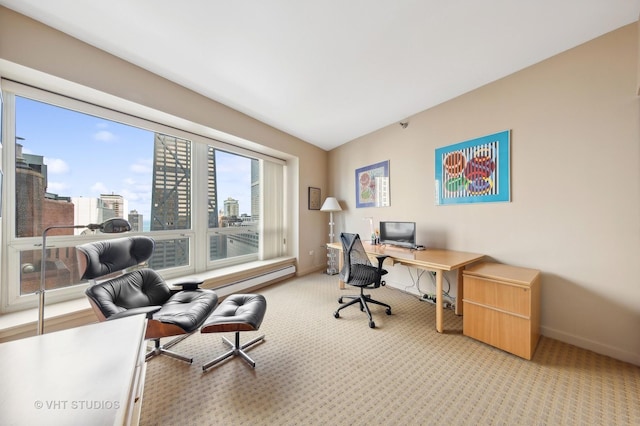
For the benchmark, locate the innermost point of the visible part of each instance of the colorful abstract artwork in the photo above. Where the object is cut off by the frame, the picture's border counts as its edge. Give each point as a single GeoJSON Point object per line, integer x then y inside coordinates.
{"type": "Point", "coordinates": [372, 185]}
{"type": "Point", "coordinates": [474, 171]}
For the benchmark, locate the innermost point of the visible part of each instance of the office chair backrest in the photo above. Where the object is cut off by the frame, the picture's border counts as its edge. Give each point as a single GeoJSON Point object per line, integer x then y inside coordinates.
{"type": "Point", "coordinates": [106, 257]}
{"type": "Point", "coordinates": [354, 254]}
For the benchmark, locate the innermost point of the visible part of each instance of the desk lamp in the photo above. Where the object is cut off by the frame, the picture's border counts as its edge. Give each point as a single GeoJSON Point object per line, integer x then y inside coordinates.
{"type": "Point", "coordinates": [111, 226]}
{"type": "Point", "coordinates": [331, 205]}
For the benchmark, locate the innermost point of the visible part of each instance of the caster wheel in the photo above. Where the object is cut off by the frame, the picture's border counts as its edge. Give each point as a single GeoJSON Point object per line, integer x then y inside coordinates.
{"type": "Point", "coordinates": [336, 314]}
{"type": "Point", "coordinates": [340, 300]}
{"type": "Point", "coordinates": [372, 324]}
{"type": "Point", "coordinates": [388, 311]}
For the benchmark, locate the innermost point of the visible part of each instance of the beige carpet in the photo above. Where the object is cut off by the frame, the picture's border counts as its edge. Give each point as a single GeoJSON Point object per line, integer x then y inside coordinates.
{"type": "Point", "coordinates": [313, 369]}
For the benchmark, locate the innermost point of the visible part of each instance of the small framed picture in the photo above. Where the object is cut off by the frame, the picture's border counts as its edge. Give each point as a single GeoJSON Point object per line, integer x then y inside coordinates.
{"type": "Point", "coordinates": [314, 198]}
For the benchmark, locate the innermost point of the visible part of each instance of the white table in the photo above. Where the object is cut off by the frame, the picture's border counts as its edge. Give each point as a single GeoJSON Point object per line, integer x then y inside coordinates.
{"type": "Point", "coordinates": [91, 375]}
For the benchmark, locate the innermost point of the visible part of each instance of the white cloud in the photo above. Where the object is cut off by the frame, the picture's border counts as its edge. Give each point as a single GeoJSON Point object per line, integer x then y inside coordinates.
{"type": "Point", "coordinates": [104, 136]}
{"type": "Point", "coordinates": [140, 195]}
{"type": "Point", "coordinates": [135, 194]}
{"type": "Point", "coordinates": [56, 165]}
{"type": "Point", "coordinates": [99, 188]}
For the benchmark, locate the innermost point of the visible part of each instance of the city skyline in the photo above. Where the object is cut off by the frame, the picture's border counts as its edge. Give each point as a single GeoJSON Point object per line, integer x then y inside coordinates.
{"type": "Point", "coordinates": [71, 143]}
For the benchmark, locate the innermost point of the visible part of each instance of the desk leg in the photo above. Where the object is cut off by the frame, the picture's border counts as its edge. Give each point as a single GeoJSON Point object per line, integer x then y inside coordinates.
{"type": "Point", "coordinates": [340, 262]}
{"type": "Point", "coordinates": [460, 296]}
{"type": "Point", "coordinates": [439, 304]}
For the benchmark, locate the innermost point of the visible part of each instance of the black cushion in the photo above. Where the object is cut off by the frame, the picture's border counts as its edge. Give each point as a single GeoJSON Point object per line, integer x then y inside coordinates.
{"type": "Point", "coordinates": [364, 275]}
{"type": "Point", "coordinates": [135, 289]}
{"type": "Point", "coordinates": [109, 256]}
{"type": "Point", "coordinates": [244, 310]}
{"type": "Point", "coordinates": [187, 309]}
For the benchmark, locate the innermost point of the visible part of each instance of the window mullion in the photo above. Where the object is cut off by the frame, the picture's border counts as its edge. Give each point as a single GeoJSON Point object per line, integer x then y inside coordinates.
{"type": "Point", "coordinates": [199, 206]}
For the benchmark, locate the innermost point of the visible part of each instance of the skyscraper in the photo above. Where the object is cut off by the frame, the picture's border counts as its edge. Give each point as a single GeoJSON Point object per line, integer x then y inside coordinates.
{"type": "Point", "coordinates": [171, 198]}
{"type": "Point", "coordinates": [255, 191]}
{"type": "Point", "coordinates": [136, 221]}
{"type": "Point", "coordinates": [115, 202]}
{"type": "Point", "coordinates": [231, 208]}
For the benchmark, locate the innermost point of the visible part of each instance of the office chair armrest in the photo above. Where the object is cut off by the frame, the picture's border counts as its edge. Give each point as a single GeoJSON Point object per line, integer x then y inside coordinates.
{"type": "Point", "coordinates": [189, 283]}
{"type": "Point", "coordinates": [381, 258]}
{"type": "Point", "coordinates": [148, 310]}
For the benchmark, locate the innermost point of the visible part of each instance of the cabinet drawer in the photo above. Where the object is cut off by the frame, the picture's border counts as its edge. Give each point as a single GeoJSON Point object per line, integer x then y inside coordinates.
{"type": "Point", "coordinates": [510, 298]}
{"type": "Point", "coordinates": [502, 330]}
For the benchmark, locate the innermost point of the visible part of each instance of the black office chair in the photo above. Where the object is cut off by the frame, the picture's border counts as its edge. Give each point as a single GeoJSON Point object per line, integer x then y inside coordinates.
{"type": "Point", "coordinates": [358, 271]}
{"type": "Point", "coordinates": [170, 312]}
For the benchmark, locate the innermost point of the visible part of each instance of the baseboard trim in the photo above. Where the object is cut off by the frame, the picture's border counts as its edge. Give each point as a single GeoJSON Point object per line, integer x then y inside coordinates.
{"type": "Point", "coordinates": [591, 345]}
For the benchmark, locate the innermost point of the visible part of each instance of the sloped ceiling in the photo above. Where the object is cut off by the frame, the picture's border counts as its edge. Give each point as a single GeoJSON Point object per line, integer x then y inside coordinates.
{"type": "Point", "coordinates": [330, 71]}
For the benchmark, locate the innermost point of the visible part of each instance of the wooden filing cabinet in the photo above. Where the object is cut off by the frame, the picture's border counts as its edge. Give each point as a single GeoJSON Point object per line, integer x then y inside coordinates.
{"type": "Point", "coordinates": [502, 307]}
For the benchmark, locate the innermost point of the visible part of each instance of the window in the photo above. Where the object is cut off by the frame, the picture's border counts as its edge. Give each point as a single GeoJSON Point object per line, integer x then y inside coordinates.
{"type": "Point", "coordinates": [233, 220]}
{"type": "Point", "coordinates": [73, 164]}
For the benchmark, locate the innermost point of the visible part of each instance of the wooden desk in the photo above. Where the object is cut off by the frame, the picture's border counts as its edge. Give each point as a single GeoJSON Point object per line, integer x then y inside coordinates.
{"type": "Point", "coordinates": [435, 260]}
{"type": "Point", "coordinates": [90, 375]}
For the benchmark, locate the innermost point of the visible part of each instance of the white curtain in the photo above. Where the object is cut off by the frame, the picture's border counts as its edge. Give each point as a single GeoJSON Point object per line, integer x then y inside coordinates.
{"type": "Point", "coordinates": [273, 207]}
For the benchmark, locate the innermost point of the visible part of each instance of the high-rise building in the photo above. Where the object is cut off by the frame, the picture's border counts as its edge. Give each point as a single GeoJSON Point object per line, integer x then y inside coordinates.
{"type": "Point", "coordinates": [212, 189]}
{"type": "Point", "coordinates": [171, 205]}
{"type": "Point", "coordinates": [255, 190]}
{"type": "Point", "coordinates": [136, 221]}
{"type": "Point", "coordinates": [91, 210]}
{"type": "Point", "coordinates": [37, 210]}
{"type": "Point", "coordinates": [171, 198]}
{"type": "Point", "coordinates": [115, 202]}
{"type": "Point", "coordinates": [231, 208]}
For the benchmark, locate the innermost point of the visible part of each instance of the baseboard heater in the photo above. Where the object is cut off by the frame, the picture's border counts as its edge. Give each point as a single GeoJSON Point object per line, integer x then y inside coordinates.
{"type": "Point", "coordinates": [255, 282]}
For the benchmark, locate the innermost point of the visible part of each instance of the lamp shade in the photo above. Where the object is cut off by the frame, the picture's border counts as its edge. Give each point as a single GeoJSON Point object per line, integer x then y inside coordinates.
{"type": "Point", "coordinates": [330, 205]}
{"type": "Point", "coordinates": [115, 225]}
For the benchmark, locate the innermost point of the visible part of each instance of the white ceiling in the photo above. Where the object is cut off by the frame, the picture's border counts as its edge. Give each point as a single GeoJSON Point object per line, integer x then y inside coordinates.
{"type": "Point", "coordinates": [329, 71]}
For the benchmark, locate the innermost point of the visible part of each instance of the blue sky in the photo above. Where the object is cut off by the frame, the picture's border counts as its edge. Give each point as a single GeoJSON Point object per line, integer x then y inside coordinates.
{"type": "Point", "coordinates": [87, 156]}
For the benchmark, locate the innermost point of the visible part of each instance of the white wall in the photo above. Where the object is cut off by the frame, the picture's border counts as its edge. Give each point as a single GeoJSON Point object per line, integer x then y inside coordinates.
{"type": "Point", "coordinates": [575, 184]}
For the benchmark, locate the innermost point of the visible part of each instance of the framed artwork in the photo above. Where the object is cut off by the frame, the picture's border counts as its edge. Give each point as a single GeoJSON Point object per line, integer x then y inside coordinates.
{"type": "Point", "coordinates": [314, 198]}
{"type": "Point", "coordinates": [474, 171]}
{"type": "Point", "coordinates": [372, 185]}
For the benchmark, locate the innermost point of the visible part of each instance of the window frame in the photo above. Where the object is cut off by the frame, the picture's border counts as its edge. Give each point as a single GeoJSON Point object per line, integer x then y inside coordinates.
{"type": "Point", "coordinates": [198, 241]}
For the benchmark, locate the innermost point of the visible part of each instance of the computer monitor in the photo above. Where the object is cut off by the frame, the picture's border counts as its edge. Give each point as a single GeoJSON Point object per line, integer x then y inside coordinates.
{"type": "Point", "coordinates": [398, 233]}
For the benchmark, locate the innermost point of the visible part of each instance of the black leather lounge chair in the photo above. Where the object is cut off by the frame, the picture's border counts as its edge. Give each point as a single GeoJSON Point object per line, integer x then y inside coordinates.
{"type": "Point", "coordinates": [170, 312]}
